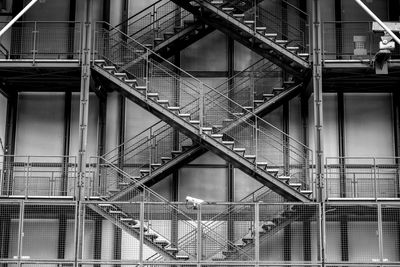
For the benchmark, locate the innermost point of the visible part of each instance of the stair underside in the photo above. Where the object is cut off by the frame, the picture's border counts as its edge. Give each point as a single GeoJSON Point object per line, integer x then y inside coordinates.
{"type": "Point", "coordinates": [130, 231]}
{"type": "Point", "coordinates": [241, 33]}
{"type": "Point", "coordinates": [208, 142]}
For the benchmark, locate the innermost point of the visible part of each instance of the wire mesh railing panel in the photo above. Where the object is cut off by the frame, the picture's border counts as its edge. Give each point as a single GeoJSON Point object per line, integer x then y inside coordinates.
{"type": "Point", "coordinates": [116, 226]}
{"type": "Point", "coordinates": [222, 226]}
{"type": "Point", "coordinates": [38, 175]}
{"type": "Point", "coordinates": [356, 177]}
{"type": "Point", "coordinates": [390, 232]}
{"type": "Point", "coordinates": [46, 40]}
{"type": "Point", "coordinates": [351, 40]}
{"type": "Point", "coordinates": [42, 222]}
{"type": "Point", "coordinates": [9, 225]}
{"type": "Point", "coordinates": [357, 224]}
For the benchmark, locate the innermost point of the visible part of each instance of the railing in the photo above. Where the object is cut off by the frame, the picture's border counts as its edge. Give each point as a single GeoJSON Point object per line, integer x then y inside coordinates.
{"type": "Point", "coordinates": [281, 17]}
{"type": "Point", "coordinates": [45, 40]}
{"type": "Point", "coordinates": [259, 137]}
{"type": "Point", "coordinates": [362, 177]}
{"type": "Point", "coordinates": [155, 21]}
{"type": "Point", "coordinates": [145, 194]}
{"type": "Point", "coordinates": [136, 154]}
{"type": "Point", "coordinates": [38, 176]}
{"type": "Point", "coordinates": [350, 40]}
{"type": "Point", "coordinates": [251, 83]}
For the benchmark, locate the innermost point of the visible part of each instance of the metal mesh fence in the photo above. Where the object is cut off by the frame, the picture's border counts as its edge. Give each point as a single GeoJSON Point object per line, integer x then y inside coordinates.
{"type": "Point", "coordinates": [355, 177]}
{"type": "Point", "coordinates": [352, 40]}
{"type": "Point", "coordinates": [38, 175]}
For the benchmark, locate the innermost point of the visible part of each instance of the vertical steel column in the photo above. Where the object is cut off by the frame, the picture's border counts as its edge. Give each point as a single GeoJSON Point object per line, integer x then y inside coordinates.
{"type": "Point", "coordinates": [71, 31]}
{"type": "Point", "coordinates": [396, 133]}
{"type": "Point", "coordinates": [286, 158]}
{"type": "Point", "coordinates": [121, 137]}
{"type": "Point", "coordinates": [287, 243]}
{"type": "Point", "coordinates": [342, 147]}
{"type": "Point", "coordinates": [318, 119]}
{"type": "Point", "coordinates": [83, 125]}
{"type": "Point", "coordinates": [380, 231]}
{"type": "Point", "coordinates": [304, 121]}
{"type": "Point", "coordinates": [20, 231]}
{"type": "Point", "coordinates": [231, 169]}
{"type": "Point", "coordinates": [66, 144]}
{"type": "Point", "coordinates": [257, 233]}
{"type": "Point", "coordinates": [9, 142]}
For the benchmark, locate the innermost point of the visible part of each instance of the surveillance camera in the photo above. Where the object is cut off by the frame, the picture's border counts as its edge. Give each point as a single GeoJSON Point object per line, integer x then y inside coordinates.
{"type": "Point", "coordinates": [194, 201]}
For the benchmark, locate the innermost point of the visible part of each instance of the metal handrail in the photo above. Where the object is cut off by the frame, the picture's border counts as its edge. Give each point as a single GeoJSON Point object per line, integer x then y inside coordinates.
{"type": "Point", "coordinates": [140, 12]}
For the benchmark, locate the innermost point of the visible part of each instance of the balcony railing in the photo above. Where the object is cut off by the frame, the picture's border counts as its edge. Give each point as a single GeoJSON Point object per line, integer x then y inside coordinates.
{"type": "Point", "coordinates": [362, 177]}
{"type": "Point", "coordinates": [46, 176]}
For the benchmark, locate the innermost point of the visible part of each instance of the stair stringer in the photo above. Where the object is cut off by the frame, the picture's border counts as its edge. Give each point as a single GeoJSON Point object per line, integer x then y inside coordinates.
{"type": "Point", "coordinates": [252, 37]}
{"type": "Point", "coordinates": [205, 140]}
{"type": "Point", "coordinates": [130, 231]}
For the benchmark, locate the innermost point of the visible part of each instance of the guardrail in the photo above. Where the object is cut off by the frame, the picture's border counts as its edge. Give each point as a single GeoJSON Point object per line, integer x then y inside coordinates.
{"type": "Point", "coordinates": [362, 177]}
{"type": "Point", "coordinates": [350, 40]}
{"type": "Point", "coordinates": [38, 176]}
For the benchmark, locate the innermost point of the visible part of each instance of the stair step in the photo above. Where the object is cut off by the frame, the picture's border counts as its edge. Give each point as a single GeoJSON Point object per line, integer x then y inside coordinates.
{"type": "Point", "coordinates": [288, 83]}
{"type": "Point", "coordinates": [139, 51]}
{"type": "Point", "coordinates": [99, 62]}
{"type": "Point", "coordinates": [238, 16]}
{"type": "Point", "coordinates": [184, 115]}
{"type": "Point", "coordinates": [152, 95]}
{"type": "Point", "coordinates": [115, 212]}
{"type": "Point", "coordinates": [284, 178]}
{"type": "Point", "coordinates": [105, 205]}
{"type": "Point", "coordinates": [261, 29]}
{"type": "Point", "coordinates": [228, 253]}
{"type": "Point", "coordinates": [248, 108]}
{"type": "Point", "coordinates": [217, 136]}
{"type": "Point", "coordinates": [123, 184]}
{"type": "Point", "coordinates": [277, 90]}
{"type": "Point", "coordinates": [144, 172]}
{"type": "Point", "coordinates": [141, 88]}
{"type": "Point", "coordinates": [295, 185]}
{"type": "Point", "coordinates": [258, 102]}
{"type": "Point", "coordinates": [171, 250]}
{"type": "Point", "coordinates": [217, 2]}
{"type": "Point", "coordinates": [161, 242]}
{"type": "Point", "coordinates": [250, 157]}
{"type": "Point", "coordinates": [228, 9]}
{"type": "Point", "coordinates": [217, 127]}
{"type": "Point", "coordinates": [168, 35]}
{"type": "Point", "coordinates": [271, 35]}
{"type": "Point", "coordinates": [163, 101]}
{"type": "Point", "coordinates": [238, 114]}
{"type": "Point", "coordinates": [181, 257]}
{"type": "Point", "coordinates": [151, 235]}
{"type": "Point", "coordinates": [174, 109]}
{"type": "Point", "coordinates": [120, 75]}
{"type": "Point", "coordinates": [206, 129]}
{"type": "Point", "coordinates": [249, 22]}
{"type": "Point", "coordinates": [292, 48]}
{"type": "Point", "coordinates": [228, 143]}
{"type": "Point", "coordinates": [306, 192]}
{"type": "Point", "coordinates": [109, 68]}
{"type": "Point", "coordinates": [227, 121]}
{"type": "Point", "coordinates": [178, 28]}
{"type": "Point", "coordinates": [136, 226]}
{"type": "Point", "coordinates": [248, 239]}
{"type": "Point", "coordinates": [175, 153]}
{"type": "Point", "coordinates": [239, 150]}
{"type": "Point", "coordinates": [303, 55]}
{"type": "Point", "coordinates": [262, 165]}
{"type": "Point", "coordinates": [268, 96]}
{"type": "Point", "coordinates": [281, 42]}
{"type": "Point", "coordinates": [126, 219]}
{"type": "Point", "coordinates": [149, 46]}
{"type": "Point", "coordinates": [155, 165]}
{"type": "Point", "coordinates": [194, 122]}
{"type": "Point", "coordinates": [131, 82]}
{"type": "Point", "coordinates": [165, 159]}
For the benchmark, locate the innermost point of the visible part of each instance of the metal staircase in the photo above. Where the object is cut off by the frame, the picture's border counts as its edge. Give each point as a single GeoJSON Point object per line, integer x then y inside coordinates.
{"type": "Point", "coordinates": [215, 123]}
{"type": "Point", "coordinates": [257, 29]}
{"type": "Point", "coordinates": [150, 155]}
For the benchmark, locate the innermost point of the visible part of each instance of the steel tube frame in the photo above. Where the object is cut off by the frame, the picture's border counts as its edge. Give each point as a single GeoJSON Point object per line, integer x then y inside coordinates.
{"type": "Point", "coordinates": [383, 25]}
{"type": "Point", "coordinates": [22, 12]}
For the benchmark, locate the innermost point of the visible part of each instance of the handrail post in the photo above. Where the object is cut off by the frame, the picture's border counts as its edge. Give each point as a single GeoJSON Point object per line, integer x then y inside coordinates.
{"type": "Point", "coordinates": [375, 181]}
{"type": "Point", "coordinates": [34, 49]}
{"type": "Point", "coordinates": [201, 107]}
{"type": "Point", "coordinates": [27, 177]}
{"type": "Point", "coordinates": [147, 72]}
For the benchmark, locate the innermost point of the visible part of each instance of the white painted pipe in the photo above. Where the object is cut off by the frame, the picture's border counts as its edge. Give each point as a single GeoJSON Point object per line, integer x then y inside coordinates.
{"type": "Point", "coordinates": [383, 25]}
{"type": "Point", "coordinates": [28, 6]}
